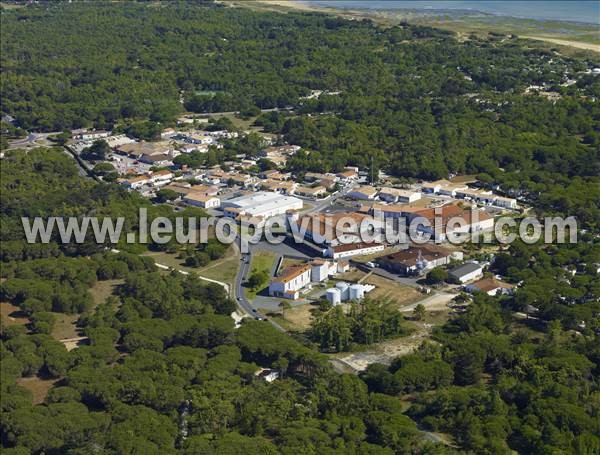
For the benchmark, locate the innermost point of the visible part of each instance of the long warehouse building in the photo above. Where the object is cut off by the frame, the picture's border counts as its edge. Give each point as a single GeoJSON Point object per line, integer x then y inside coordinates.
{"type": "Point", "coordinates": [260, 204]}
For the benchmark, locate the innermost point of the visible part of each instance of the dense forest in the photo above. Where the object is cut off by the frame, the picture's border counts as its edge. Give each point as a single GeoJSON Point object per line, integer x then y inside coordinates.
{"type": "Point", "coordinates": [164, 369]}
{"type": "Point", "coordinates": [417, 100]}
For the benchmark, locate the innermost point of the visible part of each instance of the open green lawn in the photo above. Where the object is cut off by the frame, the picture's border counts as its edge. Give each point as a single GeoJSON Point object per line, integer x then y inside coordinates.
{"type": "Point", "coordinates": [261, 261]}
{"type": "Point", "coordinates": [224, 269]}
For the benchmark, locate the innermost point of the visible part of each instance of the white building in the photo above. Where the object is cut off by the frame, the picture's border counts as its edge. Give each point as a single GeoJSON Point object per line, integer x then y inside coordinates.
{"type": "Point", "coordinates": [363, 193]}
{"type": "Point", "coordinates": [93, 135]}
{"type": "Point", "coordinates": [266, 374]}
{"type": "Point", "coordinates": [161, 177]}
{"type": "Point", "coordinates": [505, 202]}
{"type": "Point", "coordinates": [490, 286]}
{"type": "Point", "coordinates": [290, 282]}
{"type": "Point", "coordinates": [135, 182]}
{"type": "Point", "coordinates": [466, 272]}
{"type": "Point", "coordinates": [321, 270]}
{"type": "Point", "coordinates": [203, 200]}
{"type": "Point", "coordinates": [261, 204]}
{"type": "Point", "coordinates": [353, 249]}
{"type": "Point", "coordinates": [399, 195]}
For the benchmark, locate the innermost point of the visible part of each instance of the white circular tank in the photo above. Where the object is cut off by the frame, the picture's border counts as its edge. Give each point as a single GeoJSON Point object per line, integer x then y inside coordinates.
{"type": "Point", "coordinates": [334, 296]}
{"type": "Point", "coordinates": [357, 292]}
{"type": "Point", "coordinates": [343, 288]}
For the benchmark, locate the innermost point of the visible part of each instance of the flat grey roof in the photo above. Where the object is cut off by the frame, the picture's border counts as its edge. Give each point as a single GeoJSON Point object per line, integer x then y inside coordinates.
{"type": "Point", "coordinates": [465, 269]}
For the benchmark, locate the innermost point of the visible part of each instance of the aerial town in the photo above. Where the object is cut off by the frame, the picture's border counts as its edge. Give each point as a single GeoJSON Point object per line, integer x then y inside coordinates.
{"type": "Point", "coordinates": [258, 187]}
{"type": "Point", "coordinates": [299, 227]}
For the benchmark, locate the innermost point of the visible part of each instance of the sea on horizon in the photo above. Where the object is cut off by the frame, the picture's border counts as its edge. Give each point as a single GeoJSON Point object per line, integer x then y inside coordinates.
{"type": "Point", "coordinates": [587, 11]}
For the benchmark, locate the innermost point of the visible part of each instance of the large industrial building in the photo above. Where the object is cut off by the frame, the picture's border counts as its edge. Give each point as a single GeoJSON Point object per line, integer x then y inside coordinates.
{"type": "Point", "coordinates": [262, 204]}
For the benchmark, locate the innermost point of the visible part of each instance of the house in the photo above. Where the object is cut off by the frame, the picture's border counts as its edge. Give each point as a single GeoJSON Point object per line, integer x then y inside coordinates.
{"type": "Point", "coordinates": [415, 260]}
{"type": "Point", "coordinates": [167, 133]}
{"type": "Point", "coordinates": [348, 174]}
{"type": "Point", "coordinates": [266, 374]}
{"type": "Point", "coordinates": [314, 192]}
{"type": "Point", "coordinates": [277, 175]}
{"type": "Point", "coordinates": [467, 272]}
{"type": "Point", "coordinates": [161, 177]}
{"type": "Point", "coordinates": [314, 176]}
{"type": "Point", "coordinates": [327, 183]}
{"type": "Point", "coordinates": [187, 148]}
{"type": "Point", "coordinates": [491, 286]}
{"type": "Point", "coordinates": [442, 187]}
{"type": "Point", "coordinates": [475, 195]}
{"type": "Point", "coordinates": [201, 200]}
{"type": "Point", "coordinates": [278, 187]}
{"type": "Point", "coordinates": [353, 249]}
{"type": "Point", "coordinates": [266, 174]}
{"type": "Point", "coordinates": [321, 270]}
{"type": "Point", "coordinates": [365, 193]}
{"type": "Point", "coordinates": [207, 190]}
{"type": "Point", "coordinates": [178, 188]}
{"type": "Point", "coordinates": [279, 150]}
{"type": "Point", "coordinates": [343, 266]}
{"type": "Point", "coordinates": [291, 281]}
{"type": "Point", "coordinates": [398, 195]}
{"type": "Point", "coordinates": [135, 182]}
{"type": "Point", "coordinates": [243, 180]}
{"type": "Point", "coordinates": [156, 160]}
{"type": "Point", "coordinates": [505, 202]}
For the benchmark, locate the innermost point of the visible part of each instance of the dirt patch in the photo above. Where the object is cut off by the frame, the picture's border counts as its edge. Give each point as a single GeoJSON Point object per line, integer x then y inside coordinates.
{"type": "Point", "coordinates": [353, 275]}
{"type": "Point", "coordinates": [436, 302]}
{"type": "Point", "coordinates": [297, 318]}
{"type": "Point", "coordinates": [37, 386]}
{"type": "Point", "coordinates": [391, 290]}
{"type": "Point", "coordinates": [387, 351]}
{"type": "Point", "coordinates": [65, 327]}
{"type": "Point", "coordinates": [103, 289]}
{"type": "Point", "coordinates": [12, 315]}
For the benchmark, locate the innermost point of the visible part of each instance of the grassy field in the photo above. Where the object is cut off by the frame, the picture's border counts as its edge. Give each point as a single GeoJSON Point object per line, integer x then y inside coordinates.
{"type": "Point", "coordinates": [103, 289]}
{"type": "Point", "coordinates": [261, 261]}
{"type": "Point", "coordinates": [224, 269]}
{"type": "Point", "coordinates": [393, 291]}
{"type": "Point", "coordinates": [65, 327]}
{"type": "Point", "coordinates": [385, 288]}
{"type": "Point", "coordinates": [38, 387]}
{"type": "Point", "coordinates": [297, 318]}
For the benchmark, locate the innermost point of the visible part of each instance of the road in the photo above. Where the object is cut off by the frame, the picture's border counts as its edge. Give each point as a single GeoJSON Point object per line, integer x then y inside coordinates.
{"type": "Point", "coordinates": [243, 303]}
{"type": "Point", "coordinates": [30, 140]}
{"type": "Point", "coordinates": [322, 205]}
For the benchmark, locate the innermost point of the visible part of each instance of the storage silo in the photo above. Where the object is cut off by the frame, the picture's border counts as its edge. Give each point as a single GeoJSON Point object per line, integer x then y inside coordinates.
{"type": "Point", "coordinates": [334, 296]}
{"type": "Point", "coordinates": [356, 292]}
{"type": "Point", "coordinates": [343, 288]}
